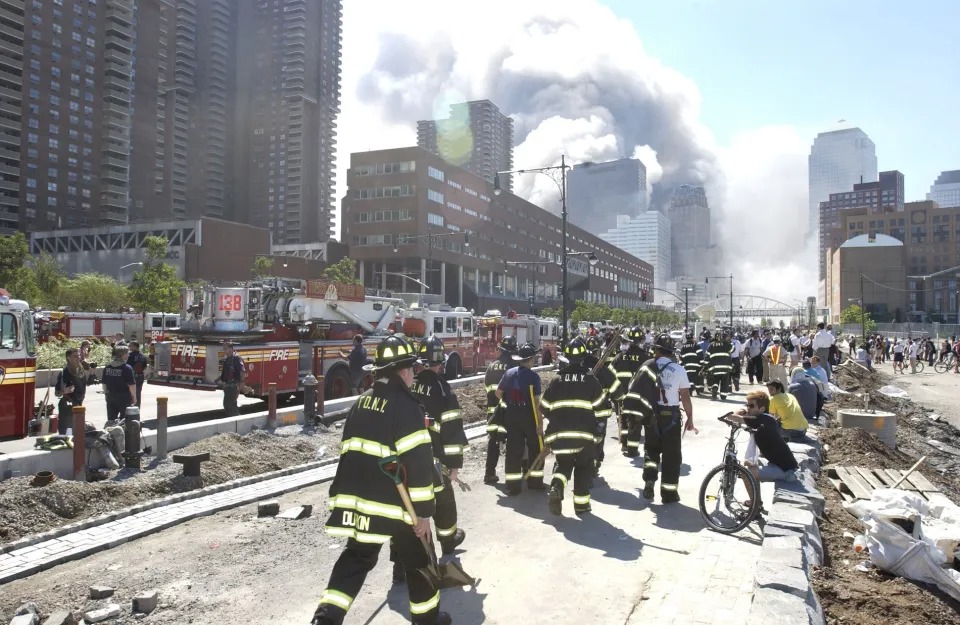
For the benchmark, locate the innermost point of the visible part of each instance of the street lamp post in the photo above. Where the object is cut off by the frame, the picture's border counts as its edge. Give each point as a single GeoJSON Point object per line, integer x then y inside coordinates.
{"type": "Point", "coordinates": [730, 278]}
{"type": "Point", "coordinates": [686, 303]}
{"type": "Point", "coordinates": [590, 256]}
{"type": "Point", "coordinates": [562, 184]}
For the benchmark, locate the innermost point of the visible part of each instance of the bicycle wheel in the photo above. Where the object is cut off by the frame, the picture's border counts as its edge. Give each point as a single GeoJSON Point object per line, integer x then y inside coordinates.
{"type": "Point", "coordinates": [941, 367]}
{"type": "Point", "coordinates": [724, 496]}
{"type": "Point", "coordinates": [919, 366]}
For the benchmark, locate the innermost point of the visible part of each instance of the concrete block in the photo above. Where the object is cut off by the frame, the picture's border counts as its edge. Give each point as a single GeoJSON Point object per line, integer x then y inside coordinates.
{"type": "Point", "coordinates": [28, 608]}
{"type": "Point", "coordinates": [773, 606]}
{"type": "Point", "coordinates": [299, 512]}
{"type": "Point", "coordinates": [804, 449]}
{"type": "Point", "coordinates": [268, 508]}
{"type": "Point", "coordinates": [788, 520]}
{"type": "Point", "coordinates": [96, 616]}
{"type": "Point", "coordinates": [805, 487]}
{"type": "Point", "coordinates": [785, 551]}
{"type": "Point", "coordinates": [146, 602]}
{"type": "Point", "coordinates": [100, 592]}
{"type": "Point", "coordinates": [783, 578]}
{"type": "Point", "coordinates": [25, 619]}
{"type": "Point", "coordinates": [60, 617]}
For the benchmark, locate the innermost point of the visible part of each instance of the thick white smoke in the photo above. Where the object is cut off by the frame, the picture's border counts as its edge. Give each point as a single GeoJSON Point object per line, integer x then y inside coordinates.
{"type": "Point", "coordinates": [575, 78]}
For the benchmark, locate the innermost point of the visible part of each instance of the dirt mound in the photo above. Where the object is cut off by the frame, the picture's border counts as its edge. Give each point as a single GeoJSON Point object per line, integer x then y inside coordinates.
{"type": "Point", "coordinates": [473, 398]}
{"type": "Point", "coordinates": [856, 447]}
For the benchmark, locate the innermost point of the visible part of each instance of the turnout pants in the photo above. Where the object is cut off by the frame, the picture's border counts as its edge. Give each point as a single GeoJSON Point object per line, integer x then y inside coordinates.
{"type": "Point", "coordinates": [662, 455]}
{"type": "Point", "coordinates": [599, 439]}
{"type": "Point", "coordinates": [634, 431]}
{"type": "Point", "coordinates": [719, 382]}
{"type": "Point", "coordinates": [358, 559]}
{"type": "Point", "coordinates": [579, 466]}
{"type": "Point", "coordinates": [445, 517]}
{"type": "Point", "coordinates": [139, 380]}
{"type": "Point", "coordinates": [696, 380]}
{"type": "Point", "coordinates": [231, 391]}
{"type": "Point", "coordinates": [755, 369]}
{"type": "Point", "coordinates": [735, 375]}
{"type": "Point", "coordinates": [521, 435]}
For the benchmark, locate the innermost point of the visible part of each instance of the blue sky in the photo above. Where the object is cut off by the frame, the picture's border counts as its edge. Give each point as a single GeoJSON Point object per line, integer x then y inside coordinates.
{"type": "Point", "coordinates": [889, 67]}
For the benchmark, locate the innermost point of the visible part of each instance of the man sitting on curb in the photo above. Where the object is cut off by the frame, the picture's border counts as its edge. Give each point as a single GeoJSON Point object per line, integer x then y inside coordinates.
{"type": "Point", "coordinates": [775, 460]}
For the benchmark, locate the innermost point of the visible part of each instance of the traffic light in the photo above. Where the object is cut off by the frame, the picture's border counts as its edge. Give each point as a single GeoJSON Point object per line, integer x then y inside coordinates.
{"type": "Point", "coordinates": [643, 295]}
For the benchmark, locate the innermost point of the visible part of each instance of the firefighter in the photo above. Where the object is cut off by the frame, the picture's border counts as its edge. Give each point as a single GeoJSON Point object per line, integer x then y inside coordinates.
{"type": "Point", "coordinates": [623, 368]}
{"type": "Point", "coordinates": [719, 365]}
{"type": "Point", "coordinates": [665, 387]}
{"type": "Point", "coordinates": [594, 348]}
{"type": "Point", "coordinates": [692, 359]}
{"type": "Point", "coordinates": [520, 389]}
{"type": "Point", "coordinates": [496, 430]}
{"type": "Point", "coordinates": [138, 362]}
{"type": "Point", "coordinates": [445, 423]}
{"type": "Point", "coordinates": [231, 379]}
{"type": "Point", "coordinates": [573, 404]}
{"type": "Point", "coordinates": [366, 508]}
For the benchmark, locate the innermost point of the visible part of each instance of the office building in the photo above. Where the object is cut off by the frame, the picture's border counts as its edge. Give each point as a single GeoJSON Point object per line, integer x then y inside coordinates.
{"type": "Point", "coordinates": [838, 160]}
{"type": "Point", "coordinates": [646, 236]}
{"type": "Point", "coordinates": [408, 214]}
{"type": "Point", "coordinates": [945, 191]}
{"type": "Point", "coordinates": [690, 231]}
{"type": "Point", "coordinates": [598, 193]}
{"type": "Point", "coordinates": [877, 198]}
{"type": "Point", "coordinates": [931, 236]}
{"type": "Point", "coordinates": [288, 85]}
{"type": "Point", "coordinates": [12, 25]}
{"type": "Point", "coordinates": [880, 260]}
{"type": "Point", "coordinates": [476, 137]}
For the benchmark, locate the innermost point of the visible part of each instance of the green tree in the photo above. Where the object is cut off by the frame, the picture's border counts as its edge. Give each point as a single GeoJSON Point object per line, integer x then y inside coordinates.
{"type": "Point", "coordinates": [156, 288]}
{"type": "Point", "coordinates": [262, 267]}
{"type": "Point", "coordinates": [344, 270]}
{"type": "Point", "coordinates": [15, 276]}
{"type": "Point", "coordinates": [851, 315]}
{"type": "Point", "coordinates": [49, 278]}
{"type": "Point", "coordinates": [92, 292]}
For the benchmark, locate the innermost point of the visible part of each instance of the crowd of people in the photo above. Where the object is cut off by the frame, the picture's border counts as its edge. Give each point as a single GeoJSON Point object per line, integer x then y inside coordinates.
{"type": "Point", "coordinates": [903, 351]}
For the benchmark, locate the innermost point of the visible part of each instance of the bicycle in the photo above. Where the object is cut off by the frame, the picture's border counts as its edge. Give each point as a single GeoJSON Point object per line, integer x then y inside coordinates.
{"type": "Point", "coordinates": [736, 502]}
{"type": "Point", "coordinates": [906, 366]}
{"type": "Point", "coordinates": [946, 364]}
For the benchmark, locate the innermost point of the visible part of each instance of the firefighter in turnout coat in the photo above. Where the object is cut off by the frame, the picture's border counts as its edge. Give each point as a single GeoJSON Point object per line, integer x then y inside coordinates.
{"type": "Point", "coordinates": [572, 404]}
{"type": "Point", "coordinates": [719, 365]}
{"type": "Point", "coordinates": [496, 428]}
{"type": "Point", "coordinates": [622, 370]}
{"type": "Point", "coordinates": [367, 510]}
{"type": "Point", "coordinates": [692, 360]}
{"type": "Point", "coordinates": [445, 424]}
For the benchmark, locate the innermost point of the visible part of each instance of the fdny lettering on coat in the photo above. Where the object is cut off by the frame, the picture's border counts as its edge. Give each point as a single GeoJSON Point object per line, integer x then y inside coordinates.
{"type": "Point", "coordinates": [359, 521]}
{"type": "Point", "coordinates": [573, 377]}
{"type": "Point", "coordinates": [420, 389]}
{"type": "Point", "coordinates": [369, 402]}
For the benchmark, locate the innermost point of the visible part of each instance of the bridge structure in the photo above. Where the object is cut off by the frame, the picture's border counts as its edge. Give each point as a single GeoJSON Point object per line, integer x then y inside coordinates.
{"type": "Point", "coordinates": [747, 306]}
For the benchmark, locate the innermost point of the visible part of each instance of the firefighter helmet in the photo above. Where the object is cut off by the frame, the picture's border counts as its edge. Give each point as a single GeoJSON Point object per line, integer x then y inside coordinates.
{"type": "Point", "coordinates": [509, 344]}
{"type": "Point", "coordinates": [664, 343]}
{"type": "Point", "coordinates": [431, 351]}
{"type": "Point", "coordinates": [636, 334]}
{"type": "Point", "coordinates": [526, 352]}
{"type": "Point", "coordinates": [593, 344]}
{"type": "Point", "coordinates": [393, 351]}
{"type": "Point", "coordinates": [574, 351]}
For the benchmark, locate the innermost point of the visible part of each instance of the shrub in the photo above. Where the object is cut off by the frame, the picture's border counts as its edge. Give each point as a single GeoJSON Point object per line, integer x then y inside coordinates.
{"type": "Point", "coordinates": [52, 354]}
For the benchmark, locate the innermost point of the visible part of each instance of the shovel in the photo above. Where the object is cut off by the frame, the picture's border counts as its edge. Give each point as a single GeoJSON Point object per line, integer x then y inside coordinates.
{"type": "Point", "coordinates": [446, 575]}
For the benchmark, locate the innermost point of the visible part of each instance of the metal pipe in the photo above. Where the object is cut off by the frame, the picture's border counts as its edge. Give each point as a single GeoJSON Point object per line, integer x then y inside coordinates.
{"type": "Point", "coordinates": [79, 449]}
{"type": "Point", "coordinates": [272, 405]}
{"type": "Point", "coordinates": [161, 428]}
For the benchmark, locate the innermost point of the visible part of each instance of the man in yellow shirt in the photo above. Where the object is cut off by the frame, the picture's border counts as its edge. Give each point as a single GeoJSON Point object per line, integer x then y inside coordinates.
{"type": "Point", "coordinates": [785, 407]}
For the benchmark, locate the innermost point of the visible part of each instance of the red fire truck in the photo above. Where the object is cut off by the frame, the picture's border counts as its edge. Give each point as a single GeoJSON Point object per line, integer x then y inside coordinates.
{"type": "Point", "coordinates": [54, 324]}
{"type": "Point", "coordinates": [455, 327]}
{"type": "Point", "coordinates": [494, 325]}
{"type": "Point", "coordinates": [282, 331]}
{"type": "Point", "coordinates": [18, 367]}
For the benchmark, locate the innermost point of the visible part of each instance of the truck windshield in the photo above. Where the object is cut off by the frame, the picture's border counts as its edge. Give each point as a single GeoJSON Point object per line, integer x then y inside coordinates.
{"type": "Point", "coordinates": [29, 335]}
{"type": "Point", "coordinates": [8, 331]}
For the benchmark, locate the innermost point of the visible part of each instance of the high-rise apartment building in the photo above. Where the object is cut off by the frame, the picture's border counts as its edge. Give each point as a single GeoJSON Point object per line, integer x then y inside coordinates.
{"type": "Point", "coordinates": [838, 160]}
{"type": "Point", "coordinates": [476, 137]}
{"type": "Point", "coordinates": [12, 25]}
{"type": "Point", "coordinates": [597, 193]}
{"type": "Point", "coordinates": [945, 191]}
{"type": "Point", "coordinates": [289, 98]}
{"type": "Point", "coordinates": [646, 236]}
{"type": "Point", "coordinates": [878, 198]}
{"type": "Point", "coordinates": [690, 231]}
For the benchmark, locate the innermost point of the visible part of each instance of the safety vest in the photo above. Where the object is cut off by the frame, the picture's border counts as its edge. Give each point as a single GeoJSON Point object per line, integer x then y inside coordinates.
{"type": "Point", "coordinates": [775, 352]}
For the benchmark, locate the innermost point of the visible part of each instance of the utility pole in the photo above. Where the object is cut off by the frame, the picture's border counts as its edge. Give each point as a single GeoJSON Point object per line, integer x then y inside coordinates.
{"type": "Point", "coordinates": [686, 309]}
{"type": "Point", "coordinates": [863, 313]}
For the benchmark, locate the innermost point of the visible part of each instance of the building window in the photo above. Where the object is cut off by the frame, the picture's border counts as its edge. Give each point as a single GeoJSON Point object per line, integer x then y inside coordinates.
{"type": "Point", "coordinates": [434, 219]}
{"type": "Point", "coordinates": [435, 196]}
{"type": "Point", "coordinates": [435, 173]}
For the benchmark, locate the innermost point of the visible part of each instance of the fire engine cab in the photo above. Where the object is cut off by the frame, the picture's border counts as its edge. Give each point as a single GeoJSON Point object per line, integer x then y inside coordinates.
{"type": "Point", "coordinates": [18, 366]}
{"type": "Point", "coordinates": [55, 324]}
{"type": "Point", "coordinates": [494, 325]}
{"type": "Point", "coordinates": [453, 326]}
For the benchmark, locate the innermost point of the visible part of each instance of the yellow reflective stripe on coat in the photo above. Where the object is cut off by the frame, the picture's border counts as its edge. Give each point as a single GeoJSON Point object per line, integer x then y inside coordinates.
{"type": "Point", "coordinates": [567, 452]}
{"type": "Point", "coordinates": [600, 400]}
{"type": "Point", "coordinates": [451, 415]}
{"type": "Point", "coordinates": [337, 598]}
{"type": "Point", "coordinates": [601, 414]}
{"type": "Point", "coordinates": [490, 388]}
{"type": "Point", "coordinates": [370, 508]}
{"type": "Point", "coordinates": [364, 446]}
{"type": "Point", "coordinates": [567, 403]}
{"type": "Point", "coordinates": [408, 442]}
{"type": "Point", "coordinates": [491, 409]}
{"type": "Point", "coordinates": [453, 450]}
{"type": "Point", "coordinates": [426, 606]}
{"type": "Point", "coordinates": [570, 434]}
{"type": "Point", "coordinates": [360, 537]}
{"type": "Point", "coordinates": [421, 493]}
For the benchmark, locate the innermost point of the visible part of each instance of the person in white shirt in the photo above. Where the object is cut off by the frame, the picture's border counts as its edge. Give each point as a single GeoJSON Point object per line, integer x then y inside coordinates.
{"type": "Point", "coordinates": [753, 352]}
{"type": "Point", "coordinates": [912, 350]}
{"type": "Point", "coordinates": [736, 355]}
{"type": "Point", "coordinates": [822, 341]}
{"type": "Point", "coordinates": [898, 349]}
{"type": "Point", "coordinates": [795, 354]}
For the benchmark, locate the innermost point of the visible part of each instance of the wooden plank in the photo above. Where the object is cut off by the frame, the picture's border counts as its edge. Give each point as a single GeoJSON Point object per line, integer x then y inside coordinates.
{"type": "Point", "coordinates": [884, 478]}
{"type": "Point", "coordinates": [860, 488]}
{"type": "Point", "coordinates": [869, 477]}
{"type": "Point", "coordinates": [895, 476]}
{"type": "Point", "coordinates": [923, 483]}
{"type": "Point", "coordinates": [840, 487]}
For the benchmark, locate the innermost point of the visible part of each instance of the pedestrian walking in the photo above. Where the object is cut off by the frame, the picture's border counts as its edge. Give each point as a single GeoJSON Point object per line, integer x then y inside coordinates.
{"type": "Point", "coordinates": [231, 378]}
{"type": "Point", "coordinates": [754, 354]}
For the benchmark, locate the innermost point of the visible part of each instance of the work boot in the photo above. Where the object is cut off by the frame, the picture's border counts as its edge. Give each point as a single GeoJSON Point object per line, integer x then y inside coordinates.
{"type": "Point", "coordinates": [491, 479]}
{"type": "Point", "coordinates": [713, 395]}
{"type": "Point", "coordinates": [320, 617]}
{"type": "Point", "coordinates": [513, 491]}
{"type": "Point", "coordinates": [443, 619]}
{"type": "Point", "coordinates": [556, 501]}
{"type": "Point", "coordinates": [723, 397]}
{"type": "Point", "coordinates": [399, 575]}
{"type": "Point", "coordinates": [537, 486]}
{"type": "Point", "coordinates": [625, 451]}
{"type": "Point", "coordinates": [582, 510]}
{"type": "Point", "coordinates": [669, 496]}
{"type": "Point", "coordinates": [449, 545]}
{"type": "Point", "coordinates": [648, 490]}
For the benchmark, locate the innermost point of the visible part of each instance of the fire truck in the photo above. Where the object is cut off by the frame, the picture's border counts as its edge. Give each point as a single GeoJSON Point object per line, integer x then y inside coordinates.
{"type": "Point", "coordinates": [55, 324]}
{"type": "Point", "coordinates": [493, 325]}
{"type": "Point", "coordinates": [282, 331]}
{"type": "Point", "coordinates": [18, 367]}
{"type": "Point", "coordinates": [453, 326]}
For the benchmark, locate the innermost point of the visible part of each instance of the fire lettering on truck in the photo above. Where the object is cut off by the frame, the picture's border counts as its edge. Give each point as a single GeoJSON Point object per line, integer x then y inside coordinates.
{"type": "Point", "coordinates": [188, 351]}
{"type": "Point", "coordinates": [279, 354]}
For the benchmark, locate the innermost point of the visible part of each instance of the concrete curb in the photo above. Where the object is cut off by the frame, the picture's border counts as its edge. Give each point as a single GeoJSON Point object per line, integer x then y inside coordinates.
{"type": "Point", "coordinates": [792, 546]}
{"type": "Point", "coordinates": [33, 554]}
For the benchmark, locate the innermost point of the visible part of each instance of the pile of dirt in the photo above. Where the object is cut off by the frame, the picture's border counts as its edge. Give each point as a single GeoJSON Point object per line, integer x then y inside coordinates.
{"type": "Point", "coordinates": [849, 595]}
{"type": "Point", "coordinates": [26, 510]}
{"type": "Point", "coordinates": [473, 398]}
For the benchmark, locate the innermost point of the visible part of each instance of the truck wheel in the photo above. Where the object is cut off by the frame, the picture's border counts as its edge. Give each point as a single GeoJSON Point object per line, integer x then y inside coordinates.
{"type": "Point", "coordinates": [453, 368]}
{"type": "Point", "coordinates": [337, 384]}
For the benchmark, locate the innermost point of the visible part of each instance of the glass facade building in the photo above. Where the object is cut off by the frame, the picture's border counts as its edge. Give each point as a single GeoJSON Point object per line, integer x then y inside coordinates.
{"type": "Point", "coordinates": [838, 160]}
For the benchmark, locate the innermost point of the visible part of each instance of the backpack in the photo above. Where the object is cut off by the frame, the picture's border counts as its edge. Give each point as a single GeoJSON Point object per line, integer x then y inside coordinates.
{"type": "Point", "coordinates": [788, 344]}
